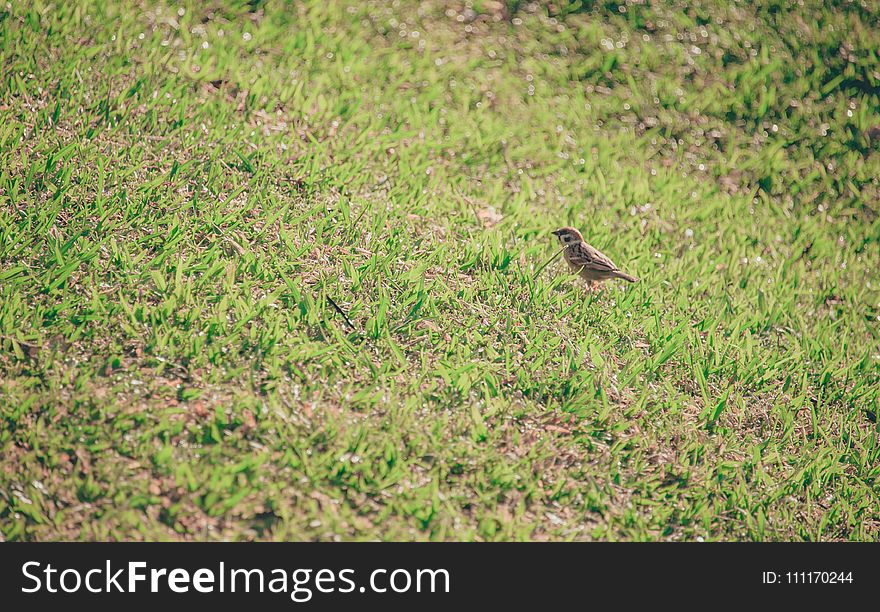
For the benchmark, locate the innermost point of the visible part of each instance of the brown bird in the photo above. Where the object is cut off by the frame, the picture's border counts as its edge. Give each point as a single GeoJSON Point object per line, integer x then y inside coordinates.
{"type": "Point", "coordinates": [590, 263]}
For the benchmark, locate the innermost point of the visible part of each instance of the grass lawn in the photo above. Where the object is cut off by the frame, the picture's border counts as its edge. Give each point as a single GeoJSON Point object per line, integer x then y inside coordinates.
{"type": "Point", "coordinates": [275, 270]}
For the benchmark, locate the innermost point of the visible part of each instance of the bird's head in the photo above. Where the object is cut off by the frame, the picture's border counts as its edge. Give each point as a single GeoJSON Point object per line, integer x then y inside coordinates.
{"type": "Point", "coordinates": [568, 235]}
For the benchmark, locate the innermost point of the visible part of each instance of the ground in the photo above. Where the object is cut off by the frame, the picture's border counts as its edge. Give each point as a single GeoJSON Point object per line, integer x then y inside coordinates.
{"type": "Point", "coordinates": [276, 270]}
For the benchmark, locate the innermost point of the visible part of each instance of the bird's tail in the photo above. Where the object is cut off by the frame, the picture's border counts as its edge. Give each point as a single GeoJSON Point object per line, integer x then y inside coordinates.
{"type": "Point", "coordinates": [625, 276]}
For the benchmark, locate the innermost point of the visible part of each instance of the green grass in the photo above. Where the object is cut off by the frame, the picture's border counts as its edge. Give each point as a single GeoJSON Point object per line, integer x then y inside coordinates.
{"type": "Point", "coordinates": [184, 195]}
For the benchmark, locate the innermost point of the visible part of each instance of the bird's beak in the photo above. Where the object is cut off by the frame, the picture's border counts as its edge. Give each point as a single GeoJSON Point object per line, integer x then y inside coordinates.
{"type": "Point", "coordinates": [556, 233]}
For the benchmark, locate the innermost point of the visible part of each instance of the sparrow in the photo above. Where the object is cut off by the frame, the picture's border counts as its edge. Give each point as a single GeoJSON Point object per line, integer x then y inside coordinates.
{"type": "Point", "coordinates": [590, 263]}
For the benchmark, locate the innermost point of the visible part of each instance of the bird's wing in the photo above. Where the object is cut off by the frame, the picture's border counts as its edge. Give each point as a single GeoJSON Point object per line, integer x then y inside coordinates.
{"type": "Point", "coordinates": [583, 255]}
